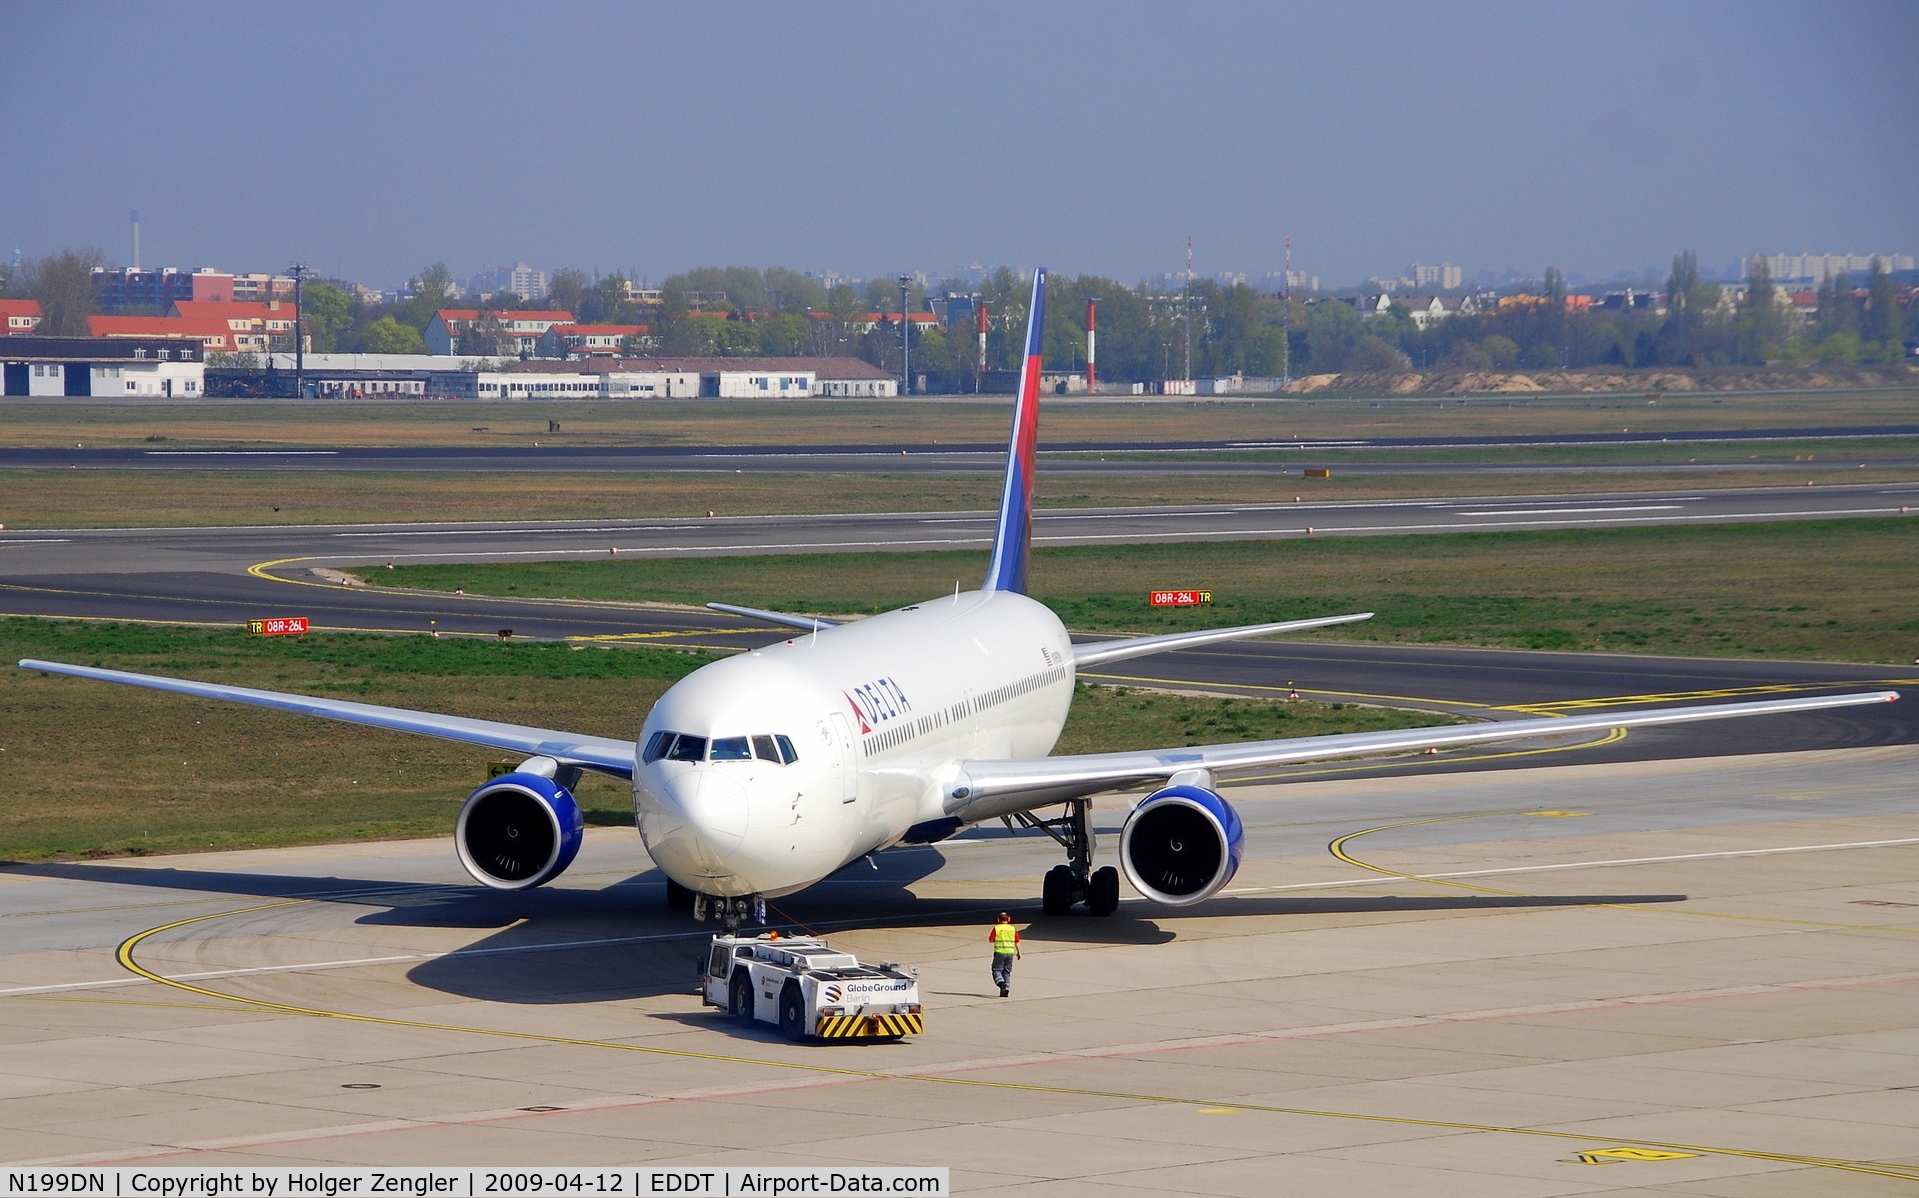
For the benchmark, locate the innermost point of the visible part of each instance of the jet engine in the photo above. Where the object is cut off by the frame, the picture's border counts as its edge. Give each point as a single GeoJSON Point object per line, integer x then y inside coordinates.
{"type": "Point", "coordinates": [1181, 845]}
{"type": "Point", "coordinates": [518, 831]}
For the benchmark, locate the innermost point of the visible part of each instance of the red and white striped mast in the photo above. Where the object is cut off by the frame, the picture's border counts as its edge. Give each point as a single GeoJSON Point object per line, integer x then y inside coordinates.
{"type": "Point", "coordinates": [1092, 338]}
{"type": "Point", "coordinates": [982, 335]}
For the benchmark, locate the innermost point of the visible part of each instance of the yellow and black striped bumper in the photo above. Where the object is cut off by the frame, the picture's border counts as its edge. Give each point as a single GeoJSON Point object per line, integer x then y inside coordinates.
{"type": "Point", "coordinates": [846, 1027]}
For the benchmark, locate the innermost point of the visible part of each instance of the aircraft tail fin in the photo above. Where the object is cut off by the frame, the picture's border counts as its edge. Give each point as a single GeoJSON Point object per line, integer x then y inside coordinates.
{"type": "Point", "coordinates": [1015, 532]}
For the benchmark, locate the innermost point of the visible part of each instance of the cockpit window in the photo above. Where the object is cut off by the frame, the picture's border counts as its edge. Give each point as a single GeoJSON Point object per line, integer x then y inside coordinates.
{"type": "Point", "coordinates": [688, 748]}
{"type": "Point", "coordinates": [656, 746]}
{"type": "Point", "coordinates": [678, 746]}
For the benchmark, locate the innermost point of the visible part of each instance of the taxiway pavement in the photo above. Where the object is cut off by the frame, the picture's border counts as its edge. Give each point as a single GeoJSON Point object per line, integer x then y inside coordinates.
{"type": "Point", "coordinates": [75, 552]}
{"type": "Point", "coordinates": [1682, 977]}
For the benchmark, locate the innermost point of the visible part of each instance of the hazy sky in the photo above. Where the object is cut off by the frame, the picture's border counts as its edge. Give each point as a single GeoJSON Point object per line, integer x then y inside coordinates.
{"type": "Point", "coordinates": [371, 139]}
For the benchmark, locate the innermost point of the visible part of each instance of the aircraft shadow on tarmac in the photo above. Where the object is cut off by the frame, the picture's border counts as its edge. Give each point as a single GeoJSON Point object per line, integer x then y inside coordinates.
{"type": "Point", "coordinates": [1135, 929]}
{"type": "Point", "coordinates": [631, 945]}
{"type": "Point", "coordinates": [598, 971]}
{"type": "Point", "coordinates": [368, 891]}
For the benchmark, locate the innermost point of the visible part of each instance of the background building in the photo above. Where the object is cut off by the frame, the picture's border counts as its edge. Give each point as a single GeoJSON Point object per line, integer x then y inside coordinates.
{"type": "Point", "coordinates": [258, 289]}
{"type": "Point", "coordinates": [459, 377]}
{"type": "Point", "coordinates": [275, 318]}
{"type": "Point", "coordinates": [119, 290]}
{"type": "Point", "coordinates": [519, 332]}
{"type": "Point", "coordinates": [210, 332]}
{"type": "Point", "coordinates": [711, 378]}
{"type": "Point", "coordinates": [1815, 267]}
{"type": "Point", "coordinates": [99, 367]}
{"type": "Point", "coordinates": [583, 340]}
{"type": "Point", "coordinates": [1445, 276]}
{"type": "Point", "coordinates": [518, 280]}
{"type": "Point", "coordinates": [21, 316]}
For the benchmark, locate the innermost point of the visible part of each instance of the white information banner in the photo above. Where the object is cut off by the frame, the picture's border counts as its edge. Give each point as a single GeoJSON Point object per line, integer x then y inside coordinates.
{"type": "Point", "coordinates": [326, 1182]}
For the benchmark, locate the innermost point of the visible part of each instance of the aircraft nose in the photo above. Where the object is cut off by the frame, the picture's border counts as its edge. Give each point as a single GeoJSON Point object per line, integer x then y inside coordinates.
{"type": "Point", "coordinates": [715, 805]}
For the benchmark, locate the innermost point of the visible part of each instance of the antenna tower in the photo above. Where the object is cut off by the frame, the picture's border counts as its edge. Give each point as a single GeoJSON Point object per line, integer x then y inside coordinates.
{"type": "Point", "coordinates": [299, 272]}
{"type": "Point", "coordinates": [1188, 306]}
{"type": "Point", "coordinates": [1286, 316]}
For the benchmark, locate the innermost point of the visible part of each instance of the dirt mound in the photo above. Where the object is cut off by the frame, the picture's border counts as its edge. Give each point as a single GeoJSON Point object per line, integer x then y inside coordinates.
{"type": "Point", "coordinates": [1607, 381]}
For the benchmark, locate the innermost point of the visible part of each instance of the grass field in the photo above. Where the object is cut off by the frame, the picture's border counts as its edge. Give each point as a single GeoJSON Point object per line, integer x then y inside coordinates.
{"type": "Point", "coordinates": [131, 498]}
{"type": "Point", "coordinates": [165, 499]}
{"type": "Point", "coordinates": [1837, 590]}
{"type": "Point", "coordinates": [91, 769]}
{"type": "Point", "coordinates": [985, 420]}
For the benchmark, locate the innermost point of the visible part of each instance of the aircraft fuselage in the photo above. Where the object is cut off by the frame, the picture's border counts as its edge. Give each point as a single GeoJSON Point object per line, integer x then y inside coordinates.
{"type": "Point", "coordinates": [876, 715]}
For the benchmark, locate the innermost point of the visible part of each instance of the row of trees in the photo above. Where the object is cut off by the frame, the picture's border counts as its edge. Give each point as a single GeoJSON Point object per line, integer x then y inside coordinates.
{"type": "Point", "coordinates": [1216, 330]}
{"type": "Point", "coordinates": [1206, 330]}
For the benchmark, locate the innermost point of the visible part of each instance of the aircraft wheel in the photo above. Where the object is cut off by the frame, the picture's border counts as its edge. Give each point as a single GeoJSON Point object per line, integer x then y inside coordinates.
{"type": "Point", "coordinates": [739, 998]}
{"type": "Point", "coordinates": [792, 1013]}
{"type": "Point", "coordinates": [1103, 896]}
{"type": "Point", "coordinates": [678, 896]}
{"type": "Point", "coordinates": [1056, 891]}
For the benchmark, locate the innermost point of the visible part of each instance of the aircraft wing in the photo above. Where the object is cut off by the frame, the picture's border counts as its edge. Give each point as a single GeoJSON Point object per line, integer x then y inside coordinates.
{"type": "Point", "coordinates": [599, 753]}
{"type": "Point", "coordinates": [987, 789]}
{"type": "Point", "coordinates": [776, 617]}
{"type": "Point", "coordinates": [1101, 652]}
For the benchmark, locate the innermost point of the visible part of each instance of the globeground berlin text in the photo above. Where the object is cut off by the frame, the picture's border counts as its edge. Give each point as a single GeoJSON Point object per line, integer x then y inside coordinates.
{"type": "Point", "coordinates": [629, 1182]}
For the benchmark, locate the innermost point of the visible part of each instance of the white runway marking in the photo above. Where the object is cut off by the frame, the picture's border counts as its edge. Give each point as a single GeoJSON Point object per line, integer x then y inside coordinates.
{"type": "Point", "coordinates": [1132, 538]}
{"type": "Point", "coordinates": [1569, 511]}
{"type": "Point", "coordinates": [518, 532]}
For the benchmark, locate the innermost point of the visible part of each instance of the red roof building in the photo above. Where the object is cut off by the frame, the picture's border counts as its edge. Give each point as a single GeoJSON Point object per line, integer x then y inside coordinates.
{"type": "Point", "coordinates": [521, 330]}
{"type": "Point", "coordinates": [275, 318]}
{"type": "Point", "coordinates": [210, 331]}
{"type": "Point", "coordinates": [572, 340]}
{"type": "Point", "coordinates": [867, 323]}
{"type": "Point", "coordinates": [22, 316]}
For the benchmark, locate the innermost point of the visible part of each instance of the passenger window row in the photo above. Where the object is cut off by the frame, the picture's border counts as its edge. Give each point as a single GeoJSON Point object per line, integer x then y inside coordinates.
{"type": "Point", "coordinates": [680, 746]}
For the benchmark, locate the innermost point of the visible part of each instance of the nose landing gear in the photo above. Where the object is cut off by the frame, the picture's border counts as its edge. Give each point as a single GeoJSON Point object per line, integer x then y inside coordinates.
{"type": "Point", "coordinates": [1066, 886]}
{"type": "Point", "coordinates": [731, 912]}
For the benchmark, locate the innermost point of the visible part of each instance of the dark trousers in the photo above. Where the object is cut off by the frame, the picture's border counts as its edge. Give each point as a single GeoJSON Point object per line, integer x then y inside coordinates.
{"type": "Point", "coordinates": [1003, 969]}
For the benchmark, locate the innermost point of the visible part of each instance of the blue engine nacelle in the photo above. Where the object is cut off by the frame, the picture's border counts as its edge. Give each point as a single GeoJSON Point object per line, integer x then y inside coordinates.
{"type": "Point", "coordinates": [518, 831]}
{"type": "Point", "coordinates": [1181, 845]}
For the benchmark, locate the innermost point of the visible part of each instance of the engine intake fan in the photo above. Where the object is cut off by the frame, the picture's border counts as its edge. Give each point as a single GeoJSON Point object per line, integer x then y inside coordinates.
{"type": "Point", "coordinates": [1181, 845]}
{"type": "Point", "coordinates": [518, 831]}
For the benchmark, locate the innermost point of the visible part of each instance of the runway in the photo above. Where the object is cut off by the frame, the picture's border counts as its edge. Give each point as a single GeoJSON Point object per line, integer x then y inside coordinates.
{"type": "Point", "coordinates": [26, 553]}
{"type": "Point", "coordinates": [1065, 457]}
{"type": "Point", "coordinates": [1698, 974]}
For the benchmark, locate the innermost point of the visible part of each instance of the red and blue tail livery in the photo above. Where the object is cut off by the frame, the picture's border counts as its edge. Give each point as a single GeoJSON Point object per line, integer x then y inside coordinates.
{"type": "Point", "coordinates": [1011, 540]}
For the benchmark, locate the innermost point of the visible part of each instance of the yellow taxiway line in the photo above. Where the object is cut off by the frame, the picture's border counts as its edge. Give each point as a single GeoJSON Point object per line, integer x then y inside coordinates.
{"type": "Point", "coordinates": [125, 955]}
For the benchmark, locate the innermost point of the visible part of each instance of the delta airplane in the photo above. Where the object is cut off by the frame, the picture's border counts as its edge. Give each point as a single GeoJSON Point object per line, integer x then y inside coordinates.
{"type": "Point", "coordinates": [761, 774]}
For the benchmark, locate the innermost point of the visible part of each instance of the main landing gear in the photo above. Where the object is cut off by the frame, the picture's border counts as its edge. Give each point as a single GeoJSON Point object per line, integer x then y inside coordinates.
{"type": "Point", "coordinates": [1077, 881]}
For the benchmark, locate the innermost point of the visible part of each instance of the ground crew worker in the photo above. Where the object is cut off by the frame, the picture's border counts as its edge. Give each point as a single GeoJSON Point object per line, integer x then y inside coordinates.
{"type": "Point", "coordinates": [1005, 938]}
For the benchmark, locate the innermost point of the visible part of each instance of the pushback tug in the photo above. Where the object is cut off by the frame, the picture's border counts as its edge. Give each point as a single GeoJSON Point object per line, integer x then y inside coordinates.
{"type": "Point", "coordinates": [809, 989]}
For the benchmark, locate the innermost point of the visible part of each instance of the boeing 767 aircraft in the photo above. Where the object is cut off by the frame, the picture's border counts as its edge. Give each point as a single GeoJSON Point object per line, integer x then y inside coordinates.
{"type": "Point", "coordinates": [763, 773]}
